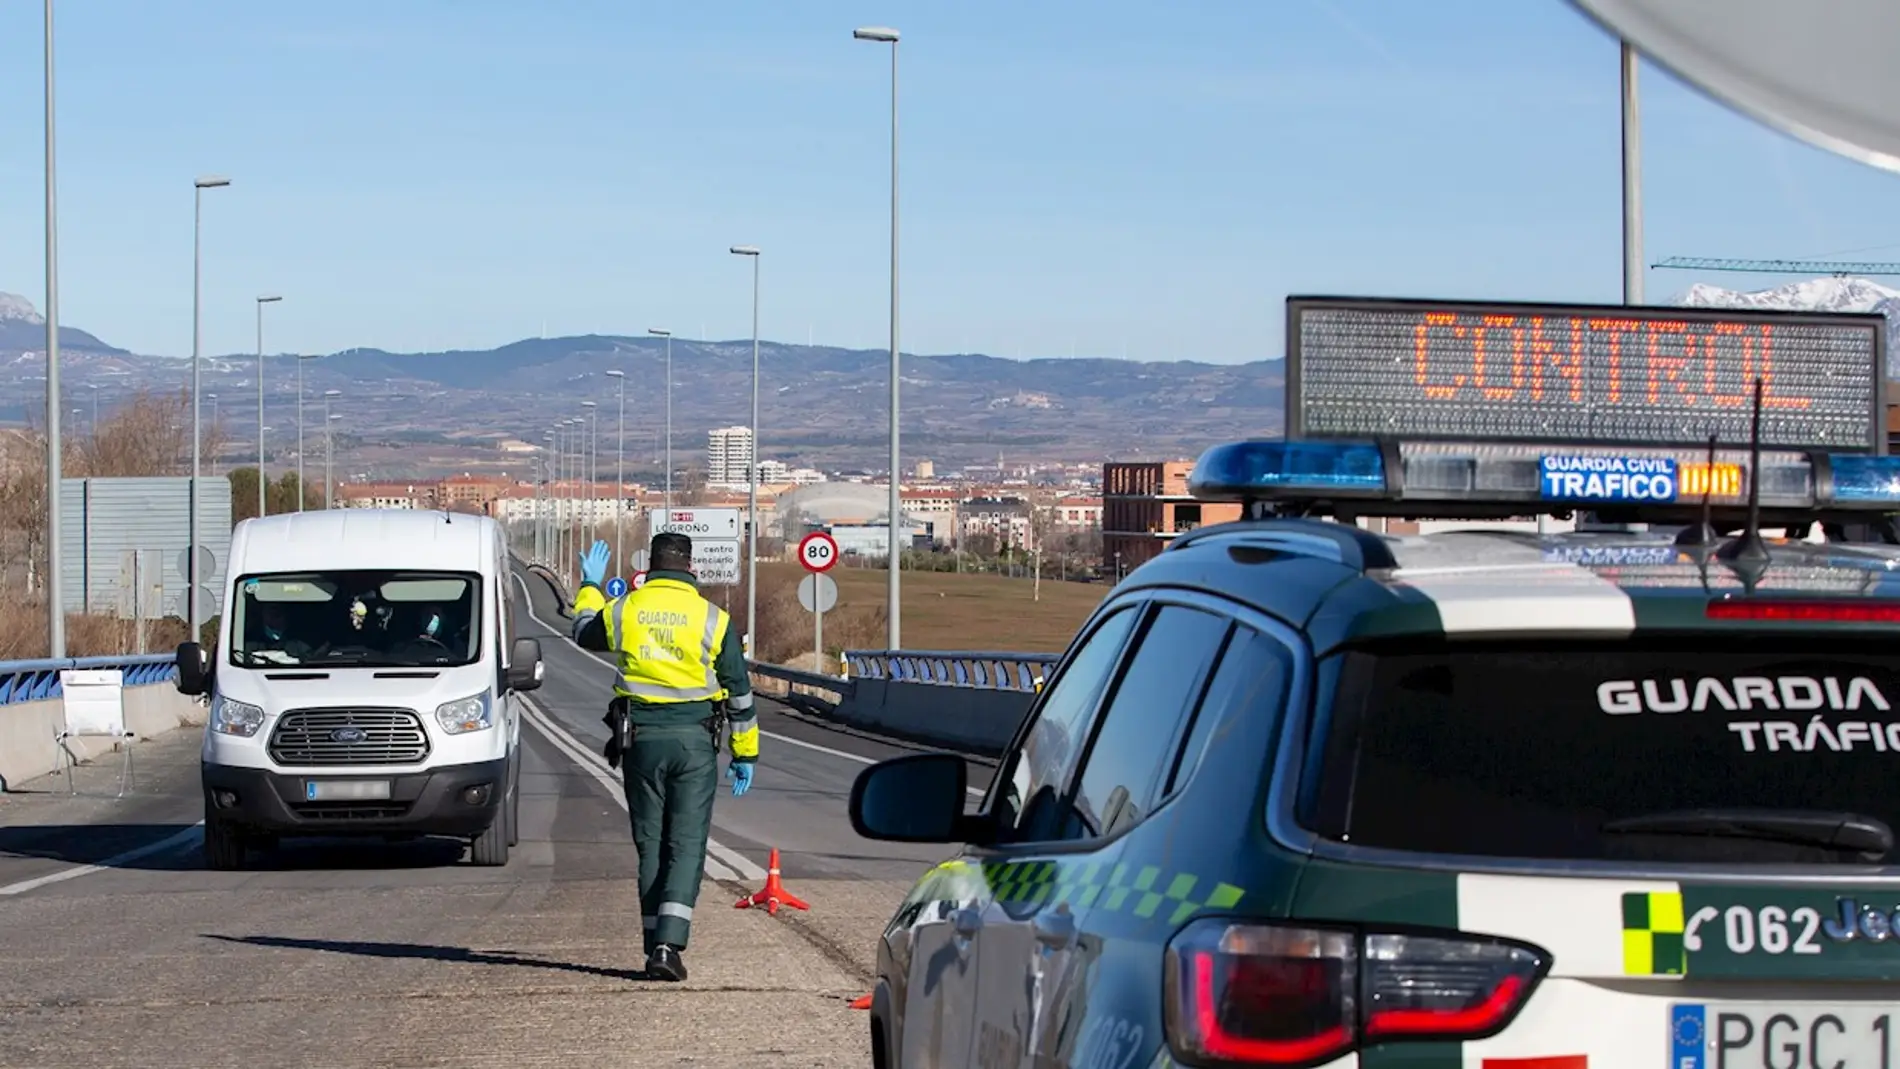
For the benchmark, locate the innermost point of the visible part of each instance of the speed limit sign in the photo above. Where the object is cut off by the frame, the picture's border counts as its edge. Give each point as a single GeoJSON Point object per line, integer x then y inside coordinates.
{"type": "Point", "coordinates": [817, 551]}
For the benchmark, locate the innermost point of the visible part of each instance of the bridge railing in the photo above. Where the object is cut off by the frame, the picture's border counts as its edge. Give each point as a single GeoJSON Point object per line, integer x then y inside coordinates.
{"type": "Point", "coordinates": [38, 680]}
{"type": "Point", "coordinates": [976, 669]}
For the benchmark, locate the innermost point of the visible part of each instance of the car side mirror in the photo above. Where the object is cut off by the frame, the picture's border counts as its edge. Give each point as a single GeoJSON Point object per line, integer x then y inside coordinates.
{"type": "Point", "coordinates": [917, 798]}
{"type": "Point", "coordinates": [193, 678]}
{"type": "Point", "coordinates": [524, 665]}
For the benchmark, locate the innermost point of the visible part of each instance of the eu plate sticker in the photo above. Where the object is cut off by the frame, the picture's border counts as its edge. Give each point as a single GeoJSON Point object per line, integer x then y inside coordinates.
{"type": "Point", "coordinates": [1688, 1035]}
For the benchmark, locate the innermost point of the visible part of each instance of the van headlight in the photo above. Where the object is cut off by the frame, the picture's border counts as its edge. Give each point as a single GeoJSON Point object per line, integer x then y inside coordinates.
{"type": "Point", "coordinates": [231, 717]}
{"type": "Point", "coordinates": [464, 714]}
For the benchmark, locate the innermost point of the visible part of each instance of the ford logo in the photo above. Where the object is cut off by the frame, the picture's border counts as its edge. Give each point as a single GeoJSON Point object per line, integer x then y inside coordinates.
{"type": "Point", "coordinates": [348, 735]}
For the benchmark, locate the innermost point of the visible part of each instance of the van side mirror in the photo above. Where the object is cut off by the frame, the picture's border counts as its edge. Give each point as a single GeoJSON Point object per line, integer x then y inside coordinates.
{"type": "Point", "coordinates": [193, 678]}
{"type": "Point", "coordinates": [524, 665]}
{"type": "Point", "coordinates": [917, 798]}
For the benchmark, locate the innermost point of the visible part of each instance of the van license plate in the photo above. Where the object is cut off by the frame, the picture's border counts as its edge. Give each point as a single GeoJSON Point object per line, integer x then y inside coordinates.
{"type": "Point", "coordinates": [344, 790]}
{"type": "Point", "coordinates": [1733, 1035]}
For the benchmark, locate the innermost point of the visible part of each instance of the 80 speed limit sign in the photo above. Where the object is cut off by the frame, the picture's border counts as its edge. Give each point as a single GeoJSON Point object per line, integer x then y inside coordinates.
{"type": "Point", "coordinates": [817, 551]}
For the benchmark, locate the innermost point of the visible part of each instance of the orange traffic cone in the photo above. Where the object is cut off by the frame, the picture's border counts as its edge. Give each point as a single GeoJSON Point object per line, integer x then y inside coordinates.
{"type": "Point", "coordinates": [861, 1003]}
{"type": "Point", "coordinates": [774, 894]}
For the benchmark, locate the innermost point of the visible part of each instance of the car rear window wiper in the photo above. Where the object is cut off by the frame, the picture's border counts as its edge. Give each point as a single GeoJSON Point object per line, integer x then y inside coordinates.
{"type": "Point", "coordinates": [1857, 832]}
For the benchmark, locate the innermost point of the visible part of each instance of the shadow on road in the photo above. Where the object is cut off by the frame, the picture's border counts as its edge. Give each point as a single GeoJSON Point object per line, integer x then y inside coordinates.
{"type": "Point", "coordinates": [91, 844]}
{"type": "Point", "coordinates": [426, 952]}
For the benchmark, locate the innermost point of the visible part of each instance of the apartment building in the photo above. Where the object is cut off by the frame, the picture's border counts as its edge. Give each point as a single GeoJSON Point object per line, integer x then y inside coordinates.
{"type": "Point", "coordinates": [729, 455]}
{"type": "Point", "coordinates": [1145, 504]}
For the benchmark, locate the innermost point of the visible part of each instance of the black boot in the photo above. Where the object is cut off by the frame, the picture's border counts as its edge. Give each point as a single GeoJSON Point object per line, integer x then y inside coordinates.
{"type": "Point", "coordinates": [665, 964]}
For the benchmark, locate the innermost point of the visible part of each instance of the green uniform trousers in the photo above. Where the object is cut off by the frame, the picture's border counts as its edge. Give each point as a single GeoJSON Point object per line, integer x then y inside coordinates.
{"type": "Point", "coordinates": [669, 777]}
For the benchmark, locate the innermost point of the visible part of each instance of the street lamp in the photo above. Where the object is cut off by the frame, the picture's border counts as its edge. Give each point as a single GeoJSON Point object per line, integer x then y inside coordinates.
{"type": "Point", "coordinates": [668, 335]}
{"type": "Point", "coordinates": [55, 605]}
{"type": "Point", "coordinates": [590, 454]}
{"type": "Point", "coordinates": [199, 186]}
{"type": "Point", "coordinates": [329, 450]}
{"type": "Point", "coordinates": [327, 417]}
{"type": "Point", "coordinates": [261, 302]}
{"type": "Point", "coordinates": [752, 476]}
{"type": "Point", "coordinates": [212, 461]}
{"type": "Point", "coordinates": [544, 525]}
{"type": "Point", "coordinates": [301, 357]}
{"type": "Point", "coordinates": [620, 474]}
{"type": "Point", "coordinates": [888, 36]}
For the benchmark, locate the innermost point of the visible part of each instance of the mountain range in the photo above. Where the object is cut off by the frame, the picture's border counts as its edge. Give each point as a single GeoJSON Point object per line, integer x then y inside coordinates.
{"type": "Point", "coordinates": [820, 405]}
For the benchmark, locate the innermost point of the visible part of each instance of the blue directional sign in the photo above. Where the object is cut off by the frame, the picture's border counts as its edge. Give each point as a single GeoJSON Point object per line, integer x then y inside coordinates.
{"type": "Point", "coordinates": [1608, 478]}
{"type": "Point", "coordinates": [616, 587]}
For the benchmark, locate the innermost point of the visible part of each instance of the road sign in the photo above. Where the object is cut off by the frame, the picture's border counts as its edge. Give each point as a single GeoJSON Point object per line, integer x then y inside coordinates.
{"type": "Point", "coordinates": [817, 551]}
{"type": "Point", "coordinates": [817, 593]}
{"type": "Point", "coordinates": [639, 579]}
{"type": "Point", "coordinates": [696, 523]}
{"type": "Point", "coordinates": [616, 587]}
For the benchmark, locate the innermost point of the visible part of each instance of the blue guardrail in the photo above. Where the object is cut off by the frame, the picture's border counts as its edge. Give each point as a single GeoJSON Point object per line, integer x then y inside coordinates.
{"type": "Point", "coordinates": [31, 681]}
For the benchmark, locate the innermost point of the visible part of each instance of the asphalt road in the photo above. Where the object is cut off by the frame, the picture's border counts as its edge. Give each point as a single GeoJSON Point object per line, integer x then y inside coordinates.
{"type": "Point", "coordinates": [118, 948]}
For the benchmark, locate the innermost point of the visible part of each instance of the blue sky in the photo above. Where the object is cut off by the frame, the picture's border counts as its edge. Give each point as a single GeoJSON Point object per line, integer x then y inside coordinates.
{"type": "Point", "coordinates": [1105, 178]}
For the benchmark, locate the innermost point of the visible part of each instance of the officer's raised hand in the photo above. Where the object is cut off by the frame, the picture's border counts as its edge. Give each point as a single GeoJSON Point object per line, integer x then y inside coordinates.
{"type": "Point", "coordinates": [594, 563]}
{"type": "Point", "coordinates": [740, 773]}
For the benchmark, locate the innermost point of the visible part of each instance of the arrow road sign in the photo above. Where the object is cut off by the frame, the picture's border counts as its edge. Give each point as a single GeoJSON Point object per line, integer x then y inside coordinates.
{"type": "Point", "coordinates": [616, 587]}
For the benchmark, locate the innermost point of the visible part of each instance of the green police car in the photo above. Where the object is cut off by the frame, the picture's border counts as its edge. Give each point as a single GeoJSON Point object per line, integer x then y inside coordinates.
{"type": "Point", "coordinates": [1304, 792]}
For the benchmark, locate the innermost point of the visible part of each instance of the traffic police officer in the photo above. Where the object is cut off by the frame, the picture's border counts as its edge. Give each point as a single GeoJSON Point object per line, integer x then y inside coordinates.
{"type": "Point", "coordinates": [682, 670]}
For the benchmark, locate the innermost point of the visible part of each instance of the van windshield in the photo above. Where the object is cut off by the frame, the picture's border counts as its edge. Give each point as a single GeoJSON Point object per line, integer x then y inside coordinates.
{"type": "Point", "coordinates": [366, 618]}
{"type": "Point", "coordinates": [1730, 749]}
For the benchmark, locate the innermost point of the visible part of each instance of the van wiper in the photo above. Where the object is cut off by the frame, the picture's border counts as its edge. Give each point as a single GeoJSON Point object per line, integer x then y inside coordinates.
{"type": "Point", "coordinates": [1858, 832]}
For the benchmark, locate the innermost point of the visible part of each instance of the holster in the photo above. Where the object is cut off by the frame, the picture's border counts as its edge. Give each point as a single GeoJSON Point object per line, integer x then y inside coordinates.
{"type": "Point", "coordinates": [620, 728]}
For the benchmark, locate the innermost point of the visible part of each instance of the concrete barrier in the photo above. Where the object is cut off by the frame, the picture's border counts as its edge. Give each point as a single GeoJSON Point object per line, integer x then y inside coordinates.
{"type": "Point", "coordinates": [27, 750]}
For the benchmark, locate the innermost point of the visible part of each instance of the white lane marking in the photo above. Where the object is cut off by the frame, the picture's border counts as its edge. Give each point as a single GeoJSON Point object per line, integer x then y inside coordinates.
{"type": "Point", "coordinates": [773, 735]}
{"type": "Point", "coordinates": [722, 862]}
{"type": "Point", "coordinates": [170, 842]}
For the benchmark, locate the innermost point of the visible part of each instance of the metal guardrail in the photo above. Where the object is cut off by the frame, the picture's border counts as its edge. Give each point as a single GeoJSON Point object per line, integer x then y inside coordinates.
{"type": "Point", "coordinates": [29, 681]}
{"type": "Point", "coordinates": [977, 669]}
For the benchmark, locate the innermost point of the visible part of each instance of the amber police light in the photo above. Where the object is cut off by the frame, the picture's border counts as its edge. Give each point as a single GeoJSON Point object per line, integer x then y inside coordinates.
{"type": "Point", "coordinates": [1843, 612]}
{"type": "Point", "coordinates": [1265, 994]}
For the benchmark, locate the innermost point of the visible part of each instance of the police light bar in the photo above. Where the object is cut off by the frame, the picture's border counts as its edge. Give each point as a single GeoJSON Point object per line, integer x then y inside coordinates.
{"type": "Point", "coordinates": [1424, 478]}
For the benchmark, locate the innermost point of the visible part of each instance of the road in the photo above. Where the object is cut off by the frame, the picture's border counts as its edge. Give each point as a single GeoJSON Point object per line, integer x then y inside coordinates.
{"type": "Point", "coordinates": [118, 948]}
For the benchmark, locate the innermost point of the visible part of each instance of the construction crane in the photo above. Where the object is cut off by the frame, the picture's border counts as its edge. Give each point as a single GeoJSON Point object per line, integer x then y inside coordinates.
{"type": "Point", "coordinates": [1837, 268]}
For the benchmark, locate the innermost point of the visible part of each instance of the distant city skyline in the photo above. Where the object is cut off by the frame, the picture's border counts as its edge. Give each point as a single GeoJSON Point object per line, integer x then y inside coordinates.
{"type": "Point", "coordinates": [1097, 181]}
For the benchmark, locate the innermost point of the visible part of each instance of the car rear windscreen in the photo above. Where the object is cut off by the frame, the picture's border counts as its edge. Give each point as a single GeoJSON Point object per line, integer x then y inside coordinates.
{"type": "Point", "coordinates": [1627, 751]}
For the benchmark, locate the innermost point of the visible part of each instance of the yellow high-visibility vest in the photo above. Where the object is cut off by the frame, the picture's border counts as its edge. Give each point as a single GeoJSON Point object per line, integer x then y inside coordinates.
{"type": "Point", "coordinates": [667, 638]}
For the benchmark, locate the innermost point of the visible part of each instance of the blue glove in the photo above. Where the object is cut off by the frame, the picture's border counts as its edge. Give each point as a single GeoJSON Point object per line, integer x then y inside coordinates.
{"type": "Point", "coordinates": [594, 564]}
{"type": "Point", "coordinates": [740, 773]}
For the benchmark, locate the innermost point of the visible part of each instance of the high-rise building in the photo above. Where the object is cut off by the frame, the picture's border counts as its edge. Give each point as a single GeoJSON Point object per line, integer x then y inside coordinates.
{"type": "Point", "coordinates": [729, 455]}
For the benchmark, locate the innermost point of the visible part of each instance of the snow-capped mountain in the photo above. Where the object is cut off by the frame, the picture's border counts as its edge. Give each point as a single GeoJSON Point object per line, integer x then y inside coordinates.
{"type": "Point", "coordinates": [1832, 294]}
{"type": "Point", "coordinates": [23, 330]}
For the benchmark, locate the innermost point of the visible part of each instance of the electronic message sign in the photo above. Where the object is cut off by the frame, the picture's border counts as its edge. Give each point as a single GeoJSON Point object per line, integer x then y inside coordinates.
{"type": "Point", "coordinates": [1593, 374]}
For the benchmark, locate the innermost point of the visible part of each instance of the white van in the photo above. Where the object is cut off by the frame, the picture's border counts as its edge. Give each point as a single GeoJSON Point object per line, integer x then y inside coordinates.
{"type": "Point", "coordinates": [364, 683]}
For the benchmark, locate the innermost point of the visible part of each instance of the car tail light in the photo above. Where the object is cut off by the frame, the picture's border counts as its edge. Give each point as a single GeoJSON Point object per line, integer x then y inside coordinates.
{"type": "Point", "coordinates": [1262, 994]}
{"type": "Point", "coordinates": [1841, 611]}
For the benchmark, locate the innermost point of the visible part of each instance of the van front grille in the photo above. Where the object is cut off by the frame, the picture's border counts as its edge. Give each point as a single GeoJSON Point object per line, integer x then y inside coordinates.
{"type": "Point", "coordinates": [349, 737]}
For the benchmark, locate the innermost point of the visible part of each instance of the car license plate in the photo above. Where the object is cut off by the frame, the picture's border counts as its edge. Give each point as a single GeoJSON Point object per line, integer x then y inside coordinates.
{"type": "Point", "coordinates": [344, 790]}
{"type": "Point", "coordinates": [1734, 1035]}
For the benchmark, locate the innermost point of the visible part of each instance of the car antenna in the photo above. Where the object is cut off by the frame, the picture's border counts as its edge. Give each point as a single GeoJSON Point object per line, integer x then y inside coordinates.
{"type": "Point", "coordinates": [1703, 532]}
{"type": "Point", "coordinates": [1749, 548]}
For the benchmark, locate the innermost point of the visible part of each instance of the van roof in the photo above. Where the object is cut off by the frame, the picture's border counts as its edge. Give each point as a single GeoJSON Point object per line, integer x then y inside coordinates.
{"type": "Point", "coordinates": [364, 538]}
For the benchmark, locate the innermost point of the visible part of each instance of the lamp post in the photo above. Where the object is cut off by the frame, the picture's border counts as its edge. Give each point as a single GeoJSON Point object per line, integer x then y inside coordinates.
{"type": "Point", "coordinates": [261, 302]}
{"type": "Point", "coordinates": [211, 462]}
{"type": "Point", "coordinates": [885, 35]}
{"type": "Point", "coordinates": [329, 450]}
{"type": "Point", "coordinates": [301, 357]}
{"type": "Point", "coordinates": [620, 474]}
{"type": "Point", "coordinates": [668, 335]}
{"type": "Point", "coordinates": [197, 337]}
{"type": "Point", "coordinates": [1632, 182]}
{"type": "Point", "coordinates": [544, 524]}
{"type": "Point", "coordinates": [327, 469]}
{"type": "Point", "coordinates": [55, 605]}
{"type": "Point", "coordinates": [590, 468]}
{"type": "Point", "coordinates": [752, 475]}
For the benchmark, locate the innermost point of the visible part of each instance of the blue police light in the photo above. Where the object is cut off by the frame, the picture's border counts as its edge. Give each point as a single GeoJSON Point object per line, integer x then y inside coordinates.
{"type": "Point", "coordinates": [1259, 469]}
{"type": "Point", "coordinates": [1865, 479]}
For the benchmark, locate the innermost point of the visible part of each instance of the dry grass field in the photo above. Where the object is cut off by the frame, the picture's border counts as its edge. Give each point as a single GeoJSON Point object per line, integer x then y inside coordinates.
{"type": "Point", "coordinates": [942, 611]}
